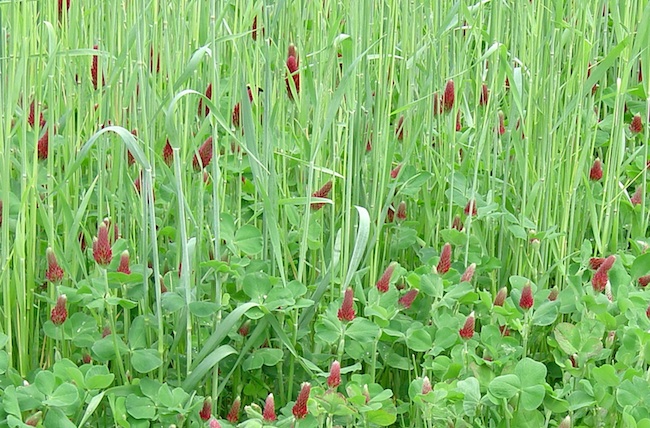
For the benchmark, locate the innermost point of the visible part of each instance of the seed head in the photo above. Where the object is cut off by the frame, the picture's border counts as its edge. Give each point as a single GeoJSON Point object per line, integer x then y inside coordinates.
{"type": "Point", "coordinates": [299, 409]}
{"type": "Point", "coordinates": [445, 259]}
{"type": "Point", "coordinates": [384, 281]}
{"type": "Point", "coordinates": [206, 411]}
{"type": "Point", "coordinates": [596, 171]}
{"type": "Point", "coordinates": [334, 379]}
{"type": "Point", "coordinates": [636, 127]}
{"type": "Point", "coordinates": [269, 409]}
{"type": "Point", "coordinates": [59, 313]}
{"type": "Point", "coordinates": [426, 386]}
{"type": "Point", "coordinates": [102, 252]}
{"type": "Point", "coordinates": [407, 299]}
{"type": "Point", "coordinates": [449, 96]}
{"type": "Point", "coordinates": [501, 296]}
{"type": "Point", "coordinates": [467, 332]}
{"type": "Point", "coordinates": [204, 157]}
{"type": "Point", "coordinates": [469, 273]}
{"type": "Point", "coordinates": [526, 300]}
{"type": "Point", "coordinates": [346, 312]}
{"type": "Point", "coordinates": [54, 272]}
{"type": "Point", "coordinates": [233, 414]}
{"type": "Point", "coordinates": [124, 263]}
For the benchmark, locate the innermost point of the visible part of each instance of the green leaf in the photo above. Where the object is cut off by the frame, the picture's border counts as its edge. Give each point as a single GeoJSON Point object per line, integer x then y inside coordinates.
{"type": "Point", "coordinates": [257, 286]}
{"type": "Point", "coordinates": [546, 313]}
{"type": "Point", "coordinates": [362, 330]}
{"type": "Point", "coordinates": [262, 357]}
{"type": "Point", "coordinates": [137, 334]}
{"type": "Point", "coordinates": [641, 265]}
{"type": "Point", "coordinates": [605, 375]}
{"type": "Point", "coordinates": [249, 240]}
{"type": "Point", "coordinates": [418, 340]}
{"type": "Point", "coordinates": [140, 407]}
{"type": "Point", "coordinates": [98, 377]}
{"type": "Point", "coordinates": [566, 335]}
{"type": "Point", "coordinates": [105, 349]}
{"type": "Point", "coordinates": [504, 386]}
{"type": "Point", "coordinates": [471, 389]}
{"type": "Point", "coordinates": [203, 309]}
{"type": "Point", "coordinates": [92, 406]}
{"type": "Point", "coordinates": [145, 360]}
{"type": "Point", "coordinates": [65, 395]}
{"type": "Point", "coordinates": [205, 365]}
{"type": "Point", "coordinates": [55, 418]}
{"type": "Point", "coordinates": [381, 417]}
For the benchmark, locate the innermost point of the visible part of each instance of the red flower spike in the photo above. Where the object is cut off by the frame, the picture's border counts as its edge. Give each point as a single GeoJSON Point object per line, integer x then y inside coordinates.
{"type": "Point", "coordinates": [59, 313]}
{"type": "Point", "coordinates": [526, 300]}
{"type": "Point", "coordinates": [323, 192]}
{"type": "Point", "coordinates": [269, 409]}
{"type": "Point", "coordinates": [596, 171]}
{"type": "Point", "coordinates": [399, 130]}
{"type": "Point", "coordinates": [401, 211]}
{"type": "Point", "coordinates": [595, 262]}
{"type": "Point", "coordinates": [102, 252]}
{"type": "Point", "coordinates": [483, 99]}
{"type": "Point", "coordinates": [552, 296]}
{"type": "Point", "coordinates": [601, 278]}
{"type": "Point", "coordinates": [501, 296]}
{"type": "Point", "coordinates": [449, 96]}
{"type": "Point", "coordinates": [457, 224]}
{"type": "Point", "coordinates": [502, 128]}
{"type": "Point", "coordinates": [214, 423]}
{"type": "Point", "coordinates": [426, 386]}
{"type": "Point", "coordinates": [54, 272]}
{"type": "Point", "coordinates": [124, 263]}
{"type": "Point", "coordinates": [395, 171]}
{"type": "Point", "coordinates": [384, 281]}
{"type": "Point", "coordinates": [235, 115]}
{"type": "Point", "coordinates": [390, 214]}
{"type": "Point", "coordinates": [293, 74]}
{"type": "Point", "coordinates": [470, 207]}
{"type": "Point", "coordinates": [407, 300]}
{"type": "Point", "coordinates": [437, 104]}
{"type": "Point", "coordinates": [637, 198]}
{"type": "Point", "coordinates": [254, 33]}
{"type": "Point", "coordinates": [469, 273]}
{"type": "Point", "coordinates": [291, 51]}
{"type": "Point", "coordinates": [644, 280]}
{"type": "Point", "coordinates": [245, 328]}
{"type": "Point", "coordinates": [334, 379]}
{"type": "Point", "coordinates": [346, 312]}
{"type": "Point", "coordinates": [43, 145]}
{"type": "Point", "coordinates": [636, 126]}
{"type": "Point", "coordinates": [94, 70]}
{"type": "Point", "coordinates": [299, 409]}
{"type": "Point", "coordinates": [233, 414]}
{"type": "Point", "coordinates": [467, 332]}
{"type": "Point", "coordinates": [168, 153]}
{"type": "Point", "coordinates": [445, 259]}
{"type": "Point", "coordinates": [204, 157]}
{"type": "Point", "coordinates": [203, 110]}
{"type": "Point", "coordinates": [206, 411]}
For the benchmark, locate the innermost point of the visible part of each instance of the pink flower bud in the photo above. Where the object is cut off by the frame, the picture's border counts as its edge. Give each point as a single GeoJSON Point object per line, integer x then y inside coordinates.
{"type": "Point", "coordinates": [636, 127]}
{"type": "Point", "coordinates": [54, 272]}
{"type": "Point", "coordinates": [124, 263]}
{"type": "Point", "coordinates": [426, 386]}
{"type": "Point", "coordinates": [168, 153]}
{"type": "Point", "coordinates": [407, 299]}
{"type": "Point", "coordinates": [469, 273]}
{"type": "Point", "coordinates": [526, 299]}
{"type": "Point", "coordinates": [601, 277]}
{"type": "Point", "coordinates": [214, 423]}
{"type": "Point", "coordinates": [552, 296]}
{"type": "Point", "coordinates": [269, 409]}
{"type": "Point", "coordinates": [384, 281]}
{"type": "Point", "coordinates": [59, 313]}
{"type": "Point", "coordinates": [448, 96]}
{"type": "Point", "coordinates": [346, 312]}
{"type": "Point", "coordinates": [596, 171]}
{"type": "Point", "coordinates": [445, 259]}
{"type": "Point", "coordinates": [206, 411]}
{"type": "Point", "coordinates": [644, 280]}
{"type": "Point", "coordinates": [102, 252]}
{"type": "Point", "coordinates": [299, 409]}
{"type": "Point", "coordinates": [467, 332]}
{"type": "Point", "coordinates": [233, 414]}
{"type": "Point", "coordinates": [637, 198]}
{"type": "Point", "coordinates": [334, 379]}
{"type": "Point", "coordinates": [483, 100]}
{"type": "Point", "coordinates": [43, 145]}
{"type": "Point", "coordinates": [501, 296]}
{"type": "Point", "coordinates": [395, 171]}
{"type": "Point", "coordinates": [401, 211]}
{"type": "Point", "coordinates": [457, 224]}
{"type": "Point", "coordinates": [470, 207]}
{"type": "Point", "coordinates": [204, 156]}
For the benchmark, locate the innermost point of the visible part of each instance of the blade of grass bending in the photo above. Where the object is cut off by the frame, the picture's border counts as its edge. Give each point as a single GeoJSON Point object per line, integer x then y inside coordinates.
{"type": "Point", "coordinates": [363, 232]}
{"type": "Point", "coordinates": [206, 364]}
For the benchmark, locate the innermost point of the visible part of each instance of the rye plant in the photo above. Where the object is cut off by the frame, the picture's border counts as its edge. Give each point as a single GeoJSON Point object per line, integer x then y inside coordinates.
{"type": "Point", "coordinates": [330, 213]}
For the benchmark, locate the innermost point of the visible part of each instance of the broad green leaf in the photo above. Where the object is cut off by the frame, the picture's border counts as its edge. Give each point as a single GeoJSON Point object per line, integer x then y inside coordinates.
{"type": "Point", "coordinates": [249, 240]}
{"type": "Point", "coordinates": [418, 340]}
{"type": "Point", "coordinates": [546, 313]}
{"type": "Point", "coordinates": [605, 375]}
{"type": "Point", "coordinates": [471, 389]}
{"type": "Point", "coordinates": [65, 395]}
{"type": "Point", "coordinates": [203, 309]}
{"type": "Point", "coordinates": [206, 364]}
{"type": "Point", "coordinates": [145, 360]}
{"type": "Point", "coordinates": [55, 418]}
{"type": "Point", "coordinates": [504, 386]}
{"type": "Point", "coordinates": [140, 407]}
{"type": "Point", "coordinates": [362, 330]}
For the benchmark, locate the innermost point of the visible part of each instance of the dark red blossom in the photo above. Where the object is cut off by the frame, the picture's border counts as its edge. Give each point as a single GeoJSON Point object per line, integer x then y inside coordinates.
{"type": "Point", "coordinates": [203, 158]}
{"type": "Point", "coordinates": [43, 145]}
{"type": "Point", "coordinates": [596, 171]}
{"type": "Point", "coordinates": [445, 259]}
{"type": "Point", "coordinates": [384, 281]}
{"type": "Point", "coordinates": [54, 272]}
{"type": "Point", "coordinates": [94, 70]}
{"type": "Point", "coordinates": [526, 300]}
{"type": "Point", "coordinates": [334, 378]}
{"type": "Point", "coordinates": [636, 126]}
{"type": "Point", "coordinates": [637, 198]}
{"type": "Point", "coordinates": [390, 214]}
{"type": "Point", "coordinates": [323, 192]}
{"type": "Point", "coordinates": [61, 6]}
{"type": "Point", "coordinates": [467, 331]}
{"type": "Point", "coordinates": [595, 262]}
{"type": "Point", "coordinates": [245, 328]}
{"type": "Point", "coordinates": [500, 298]}
{"type": "Point", "coordinates": [470, 208]}
{"type": "Point", "coordinates": [407, 299]}
{"type": "Point", "coordinates": [269, 409]}
{"type": "Point", "coordinates": [292, 71]}
{"type": "Point", "coordinates": [601, 277]}
{"type": "Point", "coordinates": [395, 171]}
{"type": "Point", "coordinates": [504, 330]}
{"type": "Point", "coordinates": [124, 263]}
{"type": "Point", "coordinates": [469, 273]}
{"type": "Point", "coordinates": [483, 99]}
{"type": "Point", "coordinates": [457, 224]}
{"type": "Point", "coordinates": [206, 411]}
{"type": "Point", "coordinates": [168, 153]}
{"type": "Point", "coordinates": [449, 96]}
{"type": "Point", "coordinates": [644, 280]}
{"type": "Point", "coordinates": [59, 313]}
{"type": "Point", "coordinates": [401, 211]}
{"type": "Point", "coordinates": [233, 414]}
{"type": "Point", "coordinates": [299, 409]}
{"type": "Point", "coordinates": [346, 312]}
{"type": "Point", "coordinates": [102, 252]}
